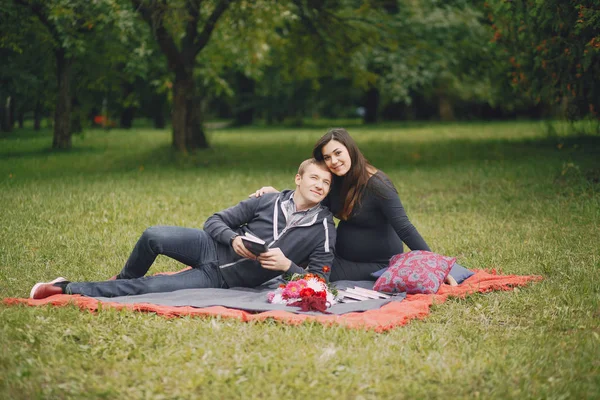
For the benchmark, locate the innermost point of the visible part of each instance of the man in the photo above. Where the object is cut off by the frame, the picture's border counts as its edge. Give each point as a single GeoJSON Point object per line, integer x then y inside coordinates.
{"type": "Point", "coordinates": [295, 226]}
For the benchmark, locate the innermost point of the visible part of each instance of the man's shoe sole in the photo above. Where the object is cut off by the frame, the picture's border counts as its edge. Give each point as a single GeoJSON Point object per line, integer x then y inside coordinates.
{"type": "Point", "coordinates": [37, 285]}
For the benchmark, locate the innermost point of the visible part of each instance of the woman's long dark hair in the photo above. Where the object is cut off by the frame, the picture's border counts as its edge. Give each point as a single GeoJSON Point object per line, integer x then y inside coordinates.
{"type": "Point", "coordinates": [354, 183]}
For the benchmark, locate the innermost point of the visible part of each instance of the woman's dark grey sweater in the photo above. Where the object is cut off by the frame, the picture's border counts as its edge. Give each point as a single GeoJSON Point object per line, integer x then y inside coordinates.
{"type": "Point", "coordinates": [375, 230]}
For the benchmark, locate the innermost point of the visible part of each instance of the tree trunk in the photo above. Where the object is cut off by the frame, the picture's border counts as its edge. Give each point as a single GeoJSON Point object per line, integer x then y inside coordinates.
{"type": "Point", "coordinates": [446, 110]}
{"type": "Point", "coordinates": [188, 134]}
{"type": "Point", "coordinates": [244, 109]}
{"type": "Point", "coordinates": [76, 117]}
{"type": "Point", "coordinates": [5, 114]}
{"type": "Point", "coordinates": [298, 117]}
{"type": "Point", "coordinates": [159, 120]}
{"type": "Point", "coordinates": [2, 122]}
{"type": "Point", "coordinates": [76, 124]}
{"type": "Point", "coordinates": [371, 105]}
{"type": "Point", "coordinates": [21, 119]}
{"type": "Point", "coordinates": [37, 115]}
{"type": "Point", "coordinates": [62, 112]}
{"type": "Point", "coordinates": [155, 108]}
{"type": "Point", "coordinates": [11, 113]}
{"type": "Point", "coordinates": [128, 112]}
{"type": "Point", "coordinates": [126, 119]}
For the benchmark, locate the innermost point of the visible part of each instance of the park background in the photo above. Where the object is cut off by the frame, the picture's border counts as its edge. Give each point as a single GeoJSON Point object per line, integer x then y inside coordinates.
{"type": "Point", "coordinates": [116, 115]}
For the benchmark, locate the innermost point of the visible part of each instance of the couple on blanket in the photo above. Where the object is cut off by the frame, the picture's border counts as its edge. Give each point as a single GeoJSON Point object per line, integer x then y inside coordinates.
{"type": "Point", "coordinates": [297, 225]}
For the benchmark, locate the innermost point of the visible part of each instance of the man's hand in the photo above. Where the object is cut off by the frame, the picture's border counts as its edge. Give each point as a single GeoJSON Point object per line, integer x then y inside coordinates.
{"type": "Point", "coordinates": [275, 260]}
{"type": "Point", "coordinates": [241, 250]}
{"type": "Point", "coordinates": [263, 190]}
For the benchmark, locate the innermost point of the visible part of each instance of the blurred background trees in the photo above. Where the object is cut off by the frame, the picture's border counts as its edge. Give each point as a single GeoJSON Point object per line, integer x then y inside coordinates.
{"type": "Point", "coordinates": [553, 52]}
{"type": "Point", "coordinates": [104, 63]}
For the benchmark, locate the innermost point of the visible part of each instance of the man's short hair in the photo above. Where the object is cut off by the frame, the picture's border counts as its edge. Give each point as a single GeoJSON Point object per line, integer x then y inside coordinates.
{"type": "Point", "coordinates": [311, 161]}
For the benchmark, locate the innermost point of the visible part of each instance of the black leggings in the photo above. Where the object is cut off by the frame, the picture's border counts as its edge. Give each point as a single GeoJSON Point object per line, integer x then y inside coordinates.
{"type": "Point", "coordinates": [353, 271]}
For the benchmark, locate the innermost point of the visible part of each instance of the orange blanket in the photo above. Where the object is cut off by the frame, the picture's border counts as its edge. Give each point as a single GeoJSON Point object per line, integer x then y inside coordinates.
{"type": "Point", "coordinates": [387, 317]}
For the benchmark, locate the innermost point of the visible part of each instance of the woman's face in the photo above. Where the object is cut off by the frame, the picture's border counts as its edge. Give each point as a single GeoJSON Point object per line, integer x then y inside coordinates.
{"type": "Point", "coordinates": [336, 158]}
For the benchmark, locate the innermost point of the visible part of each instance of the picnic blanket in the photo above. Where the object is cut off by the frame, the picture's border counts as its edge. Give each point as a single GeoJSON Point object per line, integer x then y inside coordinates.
{"type": "Point", "coordinates": [378, 315]}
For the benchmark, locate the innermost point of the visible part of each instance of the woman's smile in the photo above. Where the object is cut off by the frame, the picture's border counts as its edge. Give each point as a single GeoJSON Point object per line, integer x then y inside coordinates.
{"type": "Point", "coordinates": [337, 158]}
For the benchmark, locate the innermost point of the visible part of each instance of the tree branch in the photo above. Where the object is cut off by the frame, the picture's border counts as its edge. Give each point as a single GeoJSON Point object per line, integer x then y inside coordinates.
{"type": "Point", "coordinates": [307, 20]}
{"type": "Point", "coordinates": [164, 39]}
{"type": "Point", "coordinates": [209, 25]}
{"type": "Point", "coordinates": [191, 29]}
{"type": "Point", "coordinates": [38, 11]}
{"type": "Point", "coordinates": [333, 32]}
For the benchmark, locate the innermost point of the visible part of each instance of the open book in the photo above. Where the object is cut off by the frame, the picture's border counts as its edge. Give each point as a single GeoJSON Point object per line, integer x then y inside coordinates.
{"type": "Point", "coordinates": [350, 295]}
{"type": "Point", "coordinates": [255, 245]}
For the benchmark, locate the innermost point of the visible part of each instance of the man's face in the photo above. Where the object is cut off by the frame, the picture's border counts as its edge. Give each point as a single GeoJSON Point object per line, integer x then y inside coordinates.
{"type": "Point", "coordinates": [313, 185]}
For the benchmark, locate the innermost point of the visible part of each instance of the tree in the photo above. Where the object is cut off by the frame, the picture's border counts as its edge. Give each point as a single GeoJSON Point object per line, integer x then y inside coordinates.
{"type": "Point", "coordinates": [238, 57]}
{"type": "Point", "coordinates": [67, 23]}
{"type": "Point", "coordinates": [551, 51]}
{"type": "Point", "coordinates": [430, 48]}
{"type": "Point", "coordinates": [309, 36]}
{"type": "Point", "coordinates": [314, 48]}
{"type": "Point", "coordinates": [120, 65]}
{"type": "Point", "coordinates": [198, 20]}
{"type": "Point", "coordinates": [25, 71]}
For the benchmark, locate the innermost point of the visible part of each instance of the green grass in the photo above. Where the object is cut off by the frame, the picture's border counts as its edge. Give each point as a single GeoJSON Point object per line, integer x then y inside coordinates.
{"type": "Point", "coordinates": [496, 195]}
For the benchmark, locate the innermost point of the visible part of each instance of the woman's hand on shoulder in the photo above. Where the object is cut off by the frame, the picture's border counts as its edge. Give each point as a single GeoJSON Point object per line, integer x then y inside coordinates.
{"type": "Point", "coordinates": [263, 190]}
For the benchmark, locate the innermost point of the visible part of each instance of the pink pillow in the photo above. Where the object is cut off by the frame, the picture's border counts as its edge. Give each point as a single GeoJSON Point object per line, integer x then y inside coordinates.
{"type": "Point", "coordinates": [415, 272]}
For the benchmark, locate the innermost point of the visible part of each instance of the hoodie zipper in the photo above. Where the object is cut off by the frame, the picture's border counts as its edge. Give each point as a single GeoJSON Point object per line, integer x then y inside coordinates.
{"type": "Point", "coordinates": [283, 232]}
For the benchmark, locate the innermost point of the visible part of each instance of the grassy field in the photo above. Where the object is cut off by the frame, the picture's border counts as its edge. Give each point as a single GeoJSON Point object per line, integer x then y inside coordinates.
{"type": "Point", "coordinates": [508, 195]}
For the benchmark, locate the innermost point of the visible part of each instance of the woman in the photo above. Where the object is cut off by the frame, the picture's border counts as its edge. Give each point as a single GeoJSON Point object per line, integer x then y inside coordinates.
{"type": "Point", "coordinates": [373, 224]}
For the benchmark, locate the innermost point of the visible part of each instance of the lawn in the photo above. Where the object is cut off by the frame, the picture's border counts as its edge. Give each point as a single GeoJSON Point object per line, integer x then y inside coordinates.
{"type": "Point", "coordinates": [514, 196]}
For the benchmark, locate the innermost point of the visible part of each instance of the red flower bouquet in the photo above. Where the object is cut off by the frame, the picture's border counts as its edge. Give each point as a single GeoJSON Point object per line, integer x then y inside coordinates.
{"type": "Point", "coordinates": [309, 292]}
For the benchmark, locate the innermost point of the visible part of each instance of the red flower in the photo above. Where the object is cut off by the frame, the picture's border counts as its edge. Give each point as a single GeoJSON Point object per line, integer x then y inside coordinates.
{"type": "Point", "coordinates": [312, 303]}
{"type": "Point", "coordinates": [307, 292]}
{"type": "Point", "coordinates": [326, 269]}
{"type": "Point", "coordinates": [322, 294]}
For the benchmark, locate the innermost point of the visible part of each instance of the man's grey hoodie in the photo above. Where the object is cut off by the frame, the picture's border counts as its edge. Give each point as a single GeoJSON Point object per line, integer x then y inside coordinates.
{"type": "Point", "coordinates": [310, 242]}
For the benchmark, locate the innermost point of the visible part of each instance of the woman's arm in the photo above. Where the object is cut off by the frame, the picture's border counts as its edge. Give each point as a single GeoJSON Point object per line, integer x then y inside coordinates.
{"type": "Point", "coordinates": [406, 231]}
{"type": "Point", "coordinates": [392, 208]}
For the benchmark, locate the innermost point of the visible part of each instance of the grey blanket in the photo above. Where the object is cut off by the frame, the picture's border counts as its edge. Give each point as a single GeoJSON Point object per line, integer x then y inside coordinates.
{"type": "Point", "coordinates": [253, 300]}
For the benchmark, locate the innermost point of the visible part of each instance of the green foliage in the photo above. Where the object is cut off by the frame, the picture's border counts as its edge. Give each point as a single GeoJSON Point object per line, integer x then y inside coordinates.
{"type": "Point", "coordinates": [552, 50]}
{"type": "Point", "coordinates": [399, 48]}
{"type": "Point", "coordinates": [66, 33]}
{"type": "Point", "coordinates": [314, 50]}
{"type": "Point", "coordinates": [122, 64]}
{"type": "Point", "coordinates": [298, 58]}
{"type": "Point", "coordinates": [241, 43]}
{"type": "Point", "coordinates": [494, 195]}
{"type": "Point", "coordinates": [69, 21]}
{"type": "Point", "coordinates": [289, 49]}
{"type": "Point", "coordinates": [27, 70]}
{"type": "Point", "coordinates": [428, 46]}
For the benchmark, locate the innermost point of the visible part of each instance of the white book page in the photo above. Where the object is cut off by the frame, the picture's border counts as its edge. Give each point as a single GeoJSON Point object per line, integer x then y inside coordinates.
{"type": "Point", "coordinates": [253, 238]}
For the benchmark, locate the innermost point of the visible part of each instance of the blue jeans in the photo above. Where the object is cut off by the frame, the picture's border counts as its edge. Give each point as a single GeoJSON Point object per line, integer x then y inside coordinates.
{"type": "Point", "coordinates": [192, 247]}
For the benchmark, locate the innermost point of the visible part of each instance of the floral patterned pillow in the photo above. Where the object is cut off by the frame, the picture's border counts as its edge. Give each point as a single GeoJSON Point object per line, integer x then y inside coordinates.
{"type": "Point", "coordinates": [415, 272]}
